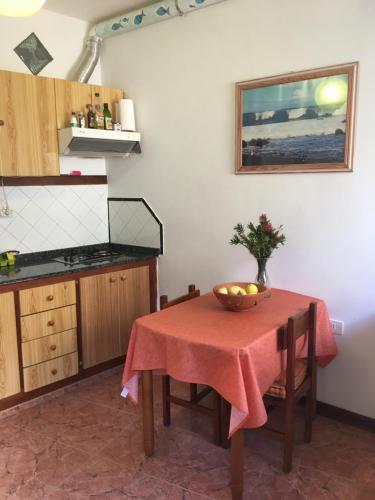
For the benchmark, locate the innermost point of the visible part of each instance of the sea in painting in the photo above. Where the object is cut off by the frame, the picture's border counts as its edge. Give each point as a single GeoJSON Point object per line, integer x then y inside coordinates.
{"type": "Point", "coordinates": [295, 123]}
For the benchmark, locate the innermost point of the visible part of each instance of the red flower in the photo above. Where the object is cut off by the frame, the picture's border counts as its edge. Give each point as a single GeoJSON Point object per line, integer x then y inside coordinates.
{"type": "Point", "coordinates": [268, 227]}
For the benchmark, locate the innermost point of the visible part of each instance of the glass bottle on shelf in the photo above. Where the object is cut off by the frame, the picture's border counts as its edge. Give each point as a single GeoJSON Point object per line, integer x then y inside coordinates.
{"type": "Point", "coordinates": [107, 117]}
{"type": "Point", "coordinates": [99, 118]}
{"type": "Point", "coordinates": [90, 117]}
{"type": "Point", "coordinates": [73, 120]}
{"type": "Point", "coordinates": [81, 120]}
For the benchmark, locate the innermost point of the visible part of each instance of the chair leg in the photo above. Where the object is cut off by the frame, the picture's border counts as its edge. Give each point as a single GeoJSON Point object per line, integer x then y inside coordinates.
{"type": "Point", "coordinates": [288, 436]}
{"type": "Point", "coordinates": [308, 415]}
{"type": "Point", "coordinates": [166, 385]}
{"type": "Point", "coordinates": [217, 418]}
{"type": "Point", "coordinates": [313, 389]}
{"type": "Point", "coordinates": [193, 392]}
{"type": "Point", "coordinates": [310, 405]}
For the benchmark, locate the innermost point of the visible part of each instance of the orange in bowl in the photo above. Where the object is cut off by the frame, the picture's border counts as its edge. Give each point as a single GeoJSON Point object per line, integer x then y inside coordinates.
{"type": "Point", "coordinates": [240, 302]}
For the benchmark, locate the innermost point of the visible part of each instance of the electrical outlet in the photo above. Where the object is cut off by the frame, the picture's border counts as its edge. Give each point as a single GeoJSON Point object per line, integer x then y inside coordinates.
{"type": "Point", "coordinates": [5, 211]}
{"type": "Point", "coordinates": [337, 327]}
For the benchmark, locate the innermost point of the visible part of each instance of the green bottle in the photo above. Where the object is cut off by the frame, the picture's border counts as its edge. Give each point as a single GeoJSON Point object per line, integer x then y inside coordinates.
{"type": "Point", "coordinates": [107, 117]}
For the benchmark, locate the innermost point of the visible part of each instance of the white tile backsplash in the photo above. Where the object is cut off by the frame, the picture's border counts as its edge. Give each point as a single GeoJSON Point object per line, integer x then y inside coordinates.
{"type": "Point", "coordinates": [50, 217]}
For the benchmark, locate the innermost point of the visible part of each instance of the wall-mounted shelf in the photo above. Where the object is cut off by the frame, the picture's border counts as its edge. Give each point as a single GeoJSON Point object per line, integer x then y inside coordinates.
{"type": "Point", "coordinates": [58, 180]}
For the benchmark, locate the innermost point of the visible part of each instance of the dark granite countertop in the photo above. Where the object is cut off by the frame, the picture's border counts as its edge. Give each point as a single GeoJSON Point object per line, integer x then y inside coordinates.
{"type": "Point", "coordinates": [40, 265]}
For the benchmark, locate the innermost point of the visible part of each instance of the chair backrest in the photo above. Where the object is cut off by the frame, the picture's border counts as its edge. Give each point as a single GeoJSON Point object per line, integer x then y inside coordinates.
{"type": "Point", "coordinates": [192, 293]}
{"type": "Point", "coordinates": [298, 325]}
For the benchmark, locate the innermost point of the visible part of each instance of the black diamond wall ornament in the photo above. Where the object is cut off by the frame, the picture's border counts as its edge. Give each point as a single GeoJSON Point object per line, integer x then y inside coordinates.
{"type": "Point", "coordinates": [33, 53]}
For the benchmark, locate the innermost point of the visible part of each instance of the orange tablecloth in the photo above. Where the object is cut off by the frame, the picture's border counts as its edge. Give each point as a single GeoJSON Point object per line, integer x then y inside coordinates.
{"type": "Point", "coordinates": [234, 352]}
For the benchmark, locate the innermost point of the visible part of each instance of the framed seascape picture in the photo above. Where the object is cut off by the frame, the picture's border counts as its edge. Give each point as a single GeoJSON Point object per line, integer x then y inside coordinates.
{"type": "Point", "coordinates": [299, 122]}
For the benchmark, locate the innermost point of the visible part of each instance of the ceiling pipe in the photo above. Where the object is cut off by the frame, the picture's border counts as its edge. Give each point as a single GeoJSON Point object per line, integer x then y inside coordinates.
{"type": "Point", "coordinates": [136, 19]}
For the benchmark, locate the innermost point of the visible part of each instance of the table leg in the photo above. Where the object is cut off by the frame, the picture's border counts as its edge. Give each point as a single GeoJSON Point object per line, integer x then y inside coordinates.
{"type": "Point", "coordinates": [236, 464]}
{"type": "Point", "coordinates": [148, 412]}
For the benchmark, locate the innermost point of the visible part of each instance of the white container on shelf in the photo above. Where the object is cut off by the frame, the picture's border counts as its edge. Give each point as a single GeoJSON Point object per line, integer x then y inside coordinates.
{"type": "Point", "coordinates": [127, 118]}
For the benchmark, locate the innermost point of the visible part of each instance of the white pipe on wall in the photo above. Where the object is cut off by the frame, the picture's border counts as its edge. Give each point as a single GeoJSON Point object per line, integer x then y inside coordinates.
{"type": "Point", "coordinates": [151, 14]}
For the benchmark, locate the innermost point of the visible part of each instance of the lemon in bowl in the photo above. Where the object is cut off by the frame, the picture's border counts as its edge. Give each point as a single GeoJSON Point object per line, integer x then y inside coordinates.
{"type": "Point", "coordinates": [242, 296]}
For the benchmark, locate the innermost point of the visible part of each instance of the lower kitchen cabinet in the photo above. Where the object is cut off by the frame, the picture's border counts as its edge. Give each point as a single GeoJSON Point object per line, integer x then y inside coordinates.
{"type": "Point", "coordinates": [109, 304]}
{"type": "Point", "coordinates": [50, 371]}
{"type": "Point", "coordinates": [50, 347]}
{"type": "Point", "coordinates": [134, 301]}
{"type": "Point", "coordinates": [9, 368]}
{"type": "Point", "coordinates": [54, 330]}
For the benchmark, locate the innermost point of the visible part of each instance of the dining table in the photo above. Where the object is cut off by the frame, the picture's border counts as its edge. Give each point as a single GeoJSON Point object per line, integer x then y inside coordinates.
{"type": "Point", "coordinates": [235, 353]}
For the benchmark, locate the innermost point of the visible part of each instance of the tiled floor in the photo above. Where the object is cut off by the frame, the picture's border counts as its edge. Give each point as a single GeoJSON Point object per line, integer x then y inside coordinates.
{"type": "Point", "coordinates": [86, 443]}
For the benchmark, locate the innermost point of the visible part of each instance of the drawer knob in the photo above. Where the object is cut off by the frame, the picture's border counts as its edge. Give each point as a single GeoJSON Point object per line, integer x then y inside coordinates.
{"type": "Point", "coordinates": [123, 278]}
{"type": "Point", "coordinates": [50, 297]}
{"type": "Point", "coordinates": [53, 347]}
{"type": "Point", "coordinates": [2, 123]}
{"type": "Point", "coordinates": [50, 322]}
{"type": "Point", "coordinates": [54, 371]}
{"type": "Point", "coordinates": [112, 280]}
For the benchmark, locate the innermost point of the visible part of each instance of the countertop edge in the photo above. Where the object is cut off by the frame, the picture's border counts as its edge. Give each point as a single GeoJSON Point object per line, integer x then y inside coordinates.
{"type": "Point", "coordinates": [73, 274]}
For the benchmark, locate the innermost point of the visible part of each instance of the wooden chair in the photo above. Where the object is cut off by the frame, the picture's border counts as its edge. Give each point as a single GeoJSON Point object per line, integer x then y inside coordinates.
{"type": "Point", "coordinates": [298, 380]}
{"type": "Point", "coordinates": [195, 396]}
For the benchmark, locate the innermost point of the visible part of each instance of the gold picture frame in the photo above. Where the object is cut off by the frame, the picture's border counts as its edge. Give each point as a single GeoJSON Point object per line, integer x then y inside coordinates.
{"type": "Point", "coordinates": [298, 122]}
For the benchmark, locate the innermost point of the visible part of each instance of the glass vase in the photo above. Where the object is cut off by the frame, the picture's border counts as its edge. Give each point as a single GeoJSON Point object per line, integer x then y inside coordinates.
{"type": "Point", "coordinates": [262, 277]}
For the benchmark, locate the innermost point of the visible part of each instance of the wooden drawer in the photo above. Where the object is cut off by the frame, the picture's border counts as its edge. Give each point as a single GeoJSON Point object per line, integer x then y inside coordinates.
{"type": "Point", "coordinates": [46, 348]}
{"type": "Point", "coordinates": [48, 323]}
{"type": "Point", "coordinates": [43, 298]}
{"type": "Point", "coordinates": [50, 371]}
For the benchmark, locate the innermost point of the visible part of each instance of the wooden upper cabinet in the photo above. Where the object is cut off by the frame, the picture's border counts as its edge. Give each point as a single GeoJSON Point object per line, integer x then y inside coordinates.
{"type": "Point", "coordinates": [71, 96]}
{"type": "Point", "coordinates": [75, 96]}
{"type": "Point", "coordinates": [32, 108]}
{"type": "Point", "coordinates": [28, 139]}
{"type": "Point", "coordinates": [9, 370]}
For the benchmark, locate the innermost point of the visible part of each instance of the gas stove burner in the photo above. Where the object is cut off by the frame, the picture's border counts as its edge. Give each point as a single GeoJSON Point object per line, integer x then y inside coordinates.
{"type": "Point", "coordinates": [88, 257]}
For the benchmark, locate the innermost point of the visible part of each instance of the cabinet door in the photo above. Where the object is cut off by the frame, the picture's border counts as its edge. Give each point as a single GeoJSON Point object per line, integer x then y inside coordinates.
{"type": "Point", "coordinates": [28, 139]}
{"type": "Point", "coordinates": [71, 96]}
{"type": "Point", "coordinates": [134, 300]}
{"type": "Point", "coordinates": [99, 316]}
{"type": "Point", "coordinates": [9, 369]}
{"type": "Point", "coordinates": [100, 95]}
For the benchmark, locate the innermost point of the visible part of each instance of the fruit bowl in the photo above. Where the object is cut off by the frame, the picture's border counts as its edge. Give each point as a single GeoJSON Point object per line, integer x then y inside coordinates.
{"type": "Point", "coordinates": [240, 302]}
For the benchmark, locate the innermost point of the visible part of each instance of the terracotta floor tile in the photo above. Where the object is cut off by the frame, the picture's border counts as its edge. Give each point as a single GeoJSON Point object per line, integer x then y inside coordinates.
{"type": "Point", "coordinates": [100, 478]}
{"type": "Point", "coordinates": [147, 487]}
{"type": "Point", "coordinates": [30, 463]}
{"type": "Point", "coordinates": [87, 443]}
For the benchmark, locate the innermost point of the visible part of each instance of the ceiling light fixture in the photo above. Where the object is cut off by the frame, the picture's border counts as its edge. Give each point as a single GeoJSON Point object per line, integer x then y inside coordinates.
{"type": "Point", "coordinates": [20, 8]}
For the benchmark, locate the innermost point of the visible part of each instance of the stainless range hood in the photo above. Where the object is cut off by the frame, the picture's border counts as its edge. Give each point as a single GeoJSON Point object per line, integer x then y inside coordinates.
{"type": "Point", "coordinates": [96, 143]}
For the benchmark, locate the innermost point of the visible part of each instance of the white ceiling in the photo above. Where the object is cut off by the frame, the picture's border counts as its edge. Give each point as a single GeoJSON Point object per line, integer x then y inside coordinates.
{"type": "Point", "coordinates": [93, 10]}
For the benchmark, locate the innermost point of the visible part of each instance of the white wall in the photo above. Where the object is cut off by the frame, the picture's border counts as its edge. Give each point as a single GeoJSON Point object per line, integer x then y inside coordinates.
{"type": "Point", "coordinates": [62, 36]}
{"type": "Point", "coordinates": [181, 74]}
{"type": "Point", "coordinates": [52, 217]}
